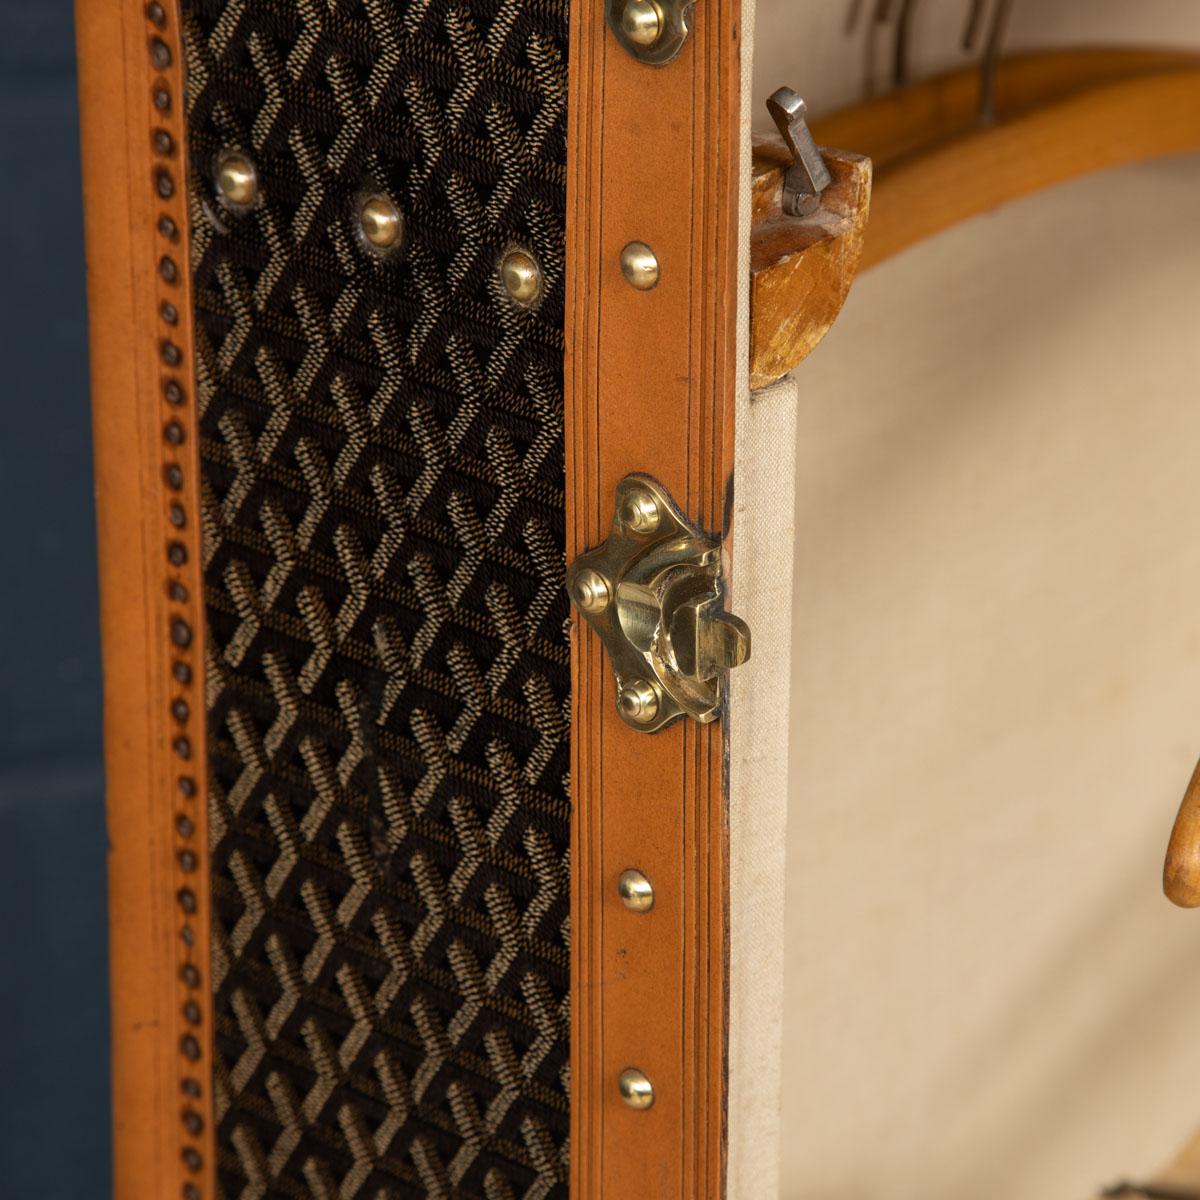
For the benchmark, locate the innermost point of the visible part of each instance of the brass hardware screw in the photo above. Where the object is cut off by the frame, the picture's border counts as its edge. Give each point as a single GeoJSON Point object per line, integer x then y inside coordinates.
{"type": "Point", "coordinates": [592, 593]}
{"type": "Point", "coordinates": [639, 511]}
{"type": "Point", "coordinates": [522, 277]}
{"type": "Point", "coordinates": [638, 701]}
{"type": "Point", "coordinates": [381, 222]}
{"type": "Point", "coordinates": [636, 1090]}
{"type": "Point", "coordinates": [639, 265]}
{"type": "Point", "coordinates": [642, 22]}
{"type": "Point", "coordinates": [636, 891]}
{"type": "Point", "coordinates": [237, 179]}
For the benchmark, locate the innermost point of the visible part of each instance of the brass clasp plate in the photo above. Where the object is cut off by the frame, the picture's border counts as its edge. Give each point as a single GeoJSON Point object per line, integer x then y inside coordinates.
{"type": "Point", "coordinates": [653, 593]}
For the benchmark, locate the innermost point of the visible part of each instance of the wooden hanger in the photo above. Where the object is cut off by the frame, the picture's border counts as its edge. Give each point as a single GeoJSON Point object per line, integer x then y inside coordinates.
{"type": "Point", "coordinates": [1051, 117]}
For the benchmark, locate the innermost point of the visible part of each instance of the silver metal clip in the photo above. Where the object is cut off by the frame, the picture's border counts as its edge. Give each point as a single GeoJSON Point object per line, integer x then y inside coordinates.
{"type": "Point", "coordinates": [808, 176]}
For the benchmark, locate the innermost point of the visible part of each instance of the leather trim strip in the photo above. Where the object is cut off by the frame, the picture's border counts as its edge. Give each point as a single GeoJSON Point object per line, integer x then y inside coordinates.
{"type": "Point", "coordinates": [150, 593]}
{"type": "Point", "coordinates": [653, 156]}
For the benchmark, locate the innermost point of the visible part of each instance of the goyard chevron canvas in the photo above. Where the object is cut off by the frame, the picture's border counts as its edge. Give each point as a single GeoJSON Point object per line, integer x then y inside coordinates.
{"type": "Point", "coordinates": [367, 370]}
{"type": "Point", "coordinates": [382, 479]}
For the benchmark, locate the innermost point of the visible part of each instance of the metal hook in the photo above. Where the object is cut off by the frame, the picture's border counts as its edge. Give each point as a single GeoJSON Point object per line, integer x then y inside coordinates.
{"type": "Point", "coordinates": [987, 65]}
{"type": "Point", "coordinates": [974, 22]}
{"type": "Point", "coordinates": [903, 29]}
{"type": "Point", "coordinates": [808, 176]}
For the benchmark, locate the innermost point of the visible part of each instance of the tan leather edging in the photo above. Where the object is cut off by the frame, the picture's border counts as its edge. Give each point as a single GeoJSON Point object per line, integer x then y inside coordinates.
{"type": "Point", "coordinates": [653, 156]}
{"type": "Point", "coordinates": [1061, 115]}
{"type": "Point", "coordinates": [130, 88]}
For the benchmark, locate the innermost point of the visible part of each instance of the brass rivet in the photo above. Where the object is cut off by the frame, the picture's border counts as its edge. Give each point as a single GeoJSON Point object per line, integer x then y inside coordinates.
{"type": "Point", "coordinates": [636, 1090]}
{"type": "Point", "coordinates": [636, 891]}
{"type": "Point", "coordinates": [591, 591]}
{"type": "Point", "coordinates": [638, 701]}
{"type": "Point", "coordinates": [522, 276]}
{"type": "Point", "coordinates": [639, 511]}
{"type": "Point", "coordinates": [237, 179]}
{"type": "Point", "coordinates": [642, 22]}
{"type": "Point", "coordinates": [639, 265]}
{"type": "Point", "coordinates": [381, 222]}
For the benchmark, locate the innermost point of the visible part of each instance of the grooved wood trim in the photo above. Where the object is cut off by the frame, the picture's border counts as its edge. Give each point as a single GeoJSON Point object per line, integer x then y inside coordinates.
{"type": "Point", "coordinates": [150, 595]}
{"type": "Point", "coordinates": [653, 156]}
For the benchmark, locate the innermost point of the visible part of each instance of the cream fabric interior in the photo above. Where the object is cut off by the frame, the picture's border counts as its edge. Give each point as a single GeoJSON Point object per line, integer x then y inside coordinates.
{"type": "Point", "coordinates": [995, 663]}
{"type": "Point", "coordinates": [996, 706]}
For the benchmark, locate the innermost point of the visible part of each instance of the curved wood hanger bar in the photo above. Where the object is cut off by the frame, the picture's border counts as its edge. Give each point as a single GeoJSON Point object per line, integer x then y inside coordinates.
{"type": "Point", "coordinates": [1063, 115]}
{"type": "Point", "coordinates": [1181, 870]}
{"type": "Point", "coordinates": [918, 117]}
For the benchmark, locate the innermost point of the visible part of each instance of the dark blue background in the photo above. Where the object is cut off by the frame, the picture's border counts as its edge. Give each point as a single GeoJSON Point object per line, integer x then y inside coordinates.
{"type": "Point", "coordinates": [54, 1109]}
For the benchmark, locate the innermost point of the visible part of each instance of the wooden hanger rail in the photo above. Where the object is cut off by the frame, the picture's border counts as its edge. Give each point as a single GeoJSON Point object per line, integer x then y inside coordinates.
{"type": "Point", "coordinates": [1059, 115]}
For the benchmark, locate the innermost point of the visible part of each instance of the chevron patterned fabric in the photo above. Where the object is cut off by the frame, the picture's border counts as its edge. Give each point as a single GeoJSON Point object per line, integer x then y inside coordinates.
{"type": "Point", "coordinates": [383, 541]}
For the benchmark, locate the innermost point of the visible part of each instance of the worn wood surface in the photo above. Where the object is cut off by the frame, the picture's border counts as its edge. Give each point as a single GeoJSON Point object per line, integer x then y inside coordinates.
{"type": "Point", "coordinates": [801, 268]}
{"type": "Point", "coordinates": [1181, 870]}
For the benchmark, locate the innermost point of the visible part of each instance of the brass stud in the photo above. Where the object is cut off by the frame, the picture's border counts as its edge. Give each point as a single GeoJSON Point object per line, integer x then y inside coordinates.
{"type": "Point", "coordinates": [591, 591]}
{"type": "Point", "coordinates": [237, 179]}
{"type": "Point", "coordinates": [522, 277]}
{"type": "Point", "coordinates": [638, 701]}
{"type": "Point", "coordinates": [639, 265]}
{"type": "Point", "coordinates": [381, 223]}
{"type": "Point", "coordinates": [642, 22]}
{"type": "Point", "coordinates": [636, 891]}
{"type": "Point", "coordinates": [639, 511]}
{"type": "Point", "coordinates": [636, 1090]}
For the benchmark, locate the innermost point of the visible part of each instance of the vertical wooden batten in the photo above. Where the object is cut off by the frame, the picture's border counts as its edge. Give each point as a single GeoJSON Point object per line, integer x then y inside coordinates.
{"type": "Point", "coordinates": [653, 156]}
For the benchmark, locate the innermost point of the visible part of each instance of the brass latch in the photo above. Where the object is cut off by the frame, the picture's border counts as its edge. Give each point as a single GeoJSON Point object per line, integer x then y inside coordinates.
{"type": "Point", "coordinates": [653, 594]}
